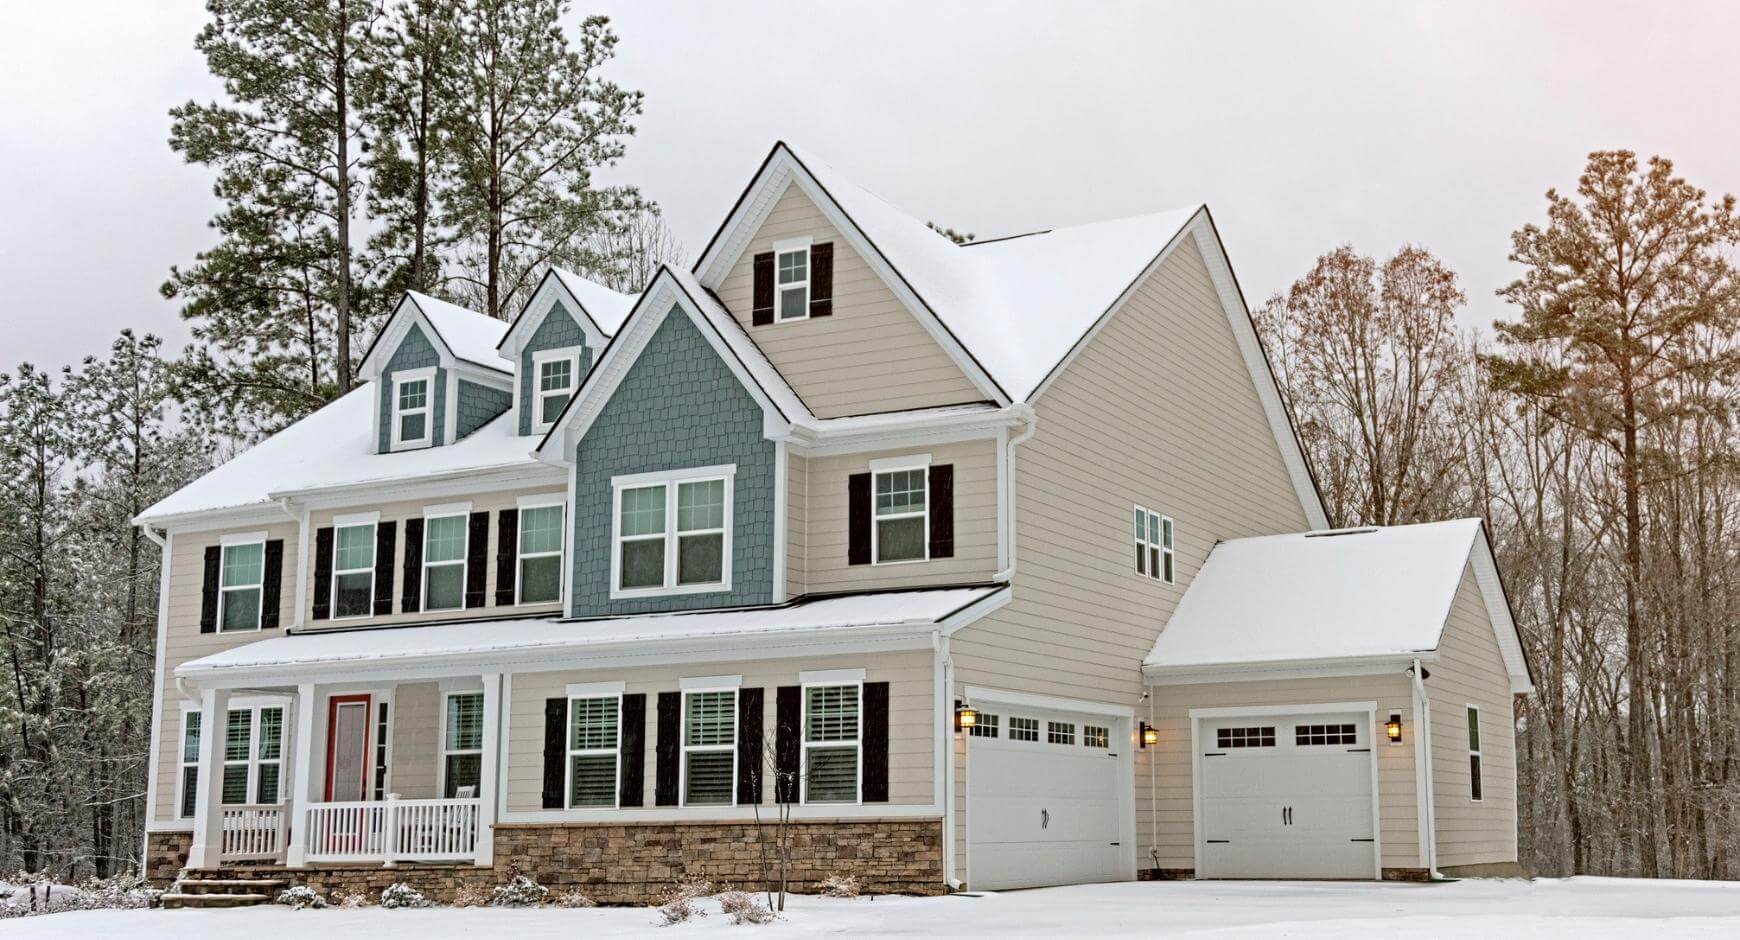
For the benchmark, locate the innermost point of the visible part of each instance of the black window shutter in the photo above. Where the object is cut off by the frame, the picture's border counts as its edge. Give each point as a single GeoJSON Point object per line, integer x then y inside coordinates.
{"type": "Point", "coordinates": [386, 540]}
{"type": "Point", "coordinates": [322, 573]}
{"type": "Point", "coordinates": [822, 280]}
{"type": "Point", "coordinates": [555, 752]}
{"type": "Point", "coordinates": [476, 552]}
{"type": "Point", "coordinates": [858, 519]}
{"type": "Point", "coordinates": [668, 749]}
{"type": "Point", "coordinates": [411, 591]}
{"type": "Point", "coordinates": [632, 747]}
{"type": "Point", "coordinates": [208, 597]}
{"type": "Point", "coordinates": [875, 742]}
{"type": "Point", "coordinates": [507, 555]}
{"type": "Point", "coordinates": [942, 511]}
{"type": "Point", "coordinates": [749, 746]}
{"type": "Point", "coordinates": [272, 588]}
{"type": "Point", "coordinates": [761, 313]}
{"type": "Point", "coordinates": [788, 713]}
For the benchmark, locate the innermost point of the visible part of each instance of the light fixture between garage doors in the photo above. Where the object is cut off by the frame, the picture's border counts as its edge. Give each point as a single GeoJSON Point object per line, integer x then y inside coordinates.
{"type": "Point", "coordinates": [1393, 728]}
{"type": "Point", "coordinates": [965, 716]}
{"type": "Point", "coordinates": [1149, 736]}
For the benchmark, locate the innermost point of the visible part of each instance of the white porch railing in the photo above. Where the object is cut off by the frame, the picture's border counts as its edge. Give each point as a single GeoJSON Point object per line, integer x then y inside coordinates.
{"type": "Point", "coordinates": [393, 829]}
{"type": "Point", "coordinates": [254, 831]}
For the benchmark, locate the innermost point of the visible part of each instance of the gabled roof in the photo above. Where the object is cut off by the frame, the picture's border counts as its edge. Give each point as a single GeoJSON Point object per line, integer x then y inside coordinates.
{"type": "Point", "coordinates": [1332, 596]}
{"type": "Point", "coordinates": [600, 310]}
{"type": "Point", "coordinates": [606, 308]}
{"type": "Point", "coordinates": [464, 334]}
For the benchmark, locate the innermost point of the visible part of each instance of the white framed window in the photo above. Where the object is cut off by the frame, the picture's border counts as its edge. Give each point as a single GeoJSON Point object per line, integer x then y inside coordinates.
{"type": "Point", "coordinates": [555, 376]}
{"type": "Point", "coordinates": [1096, 736]}
{"type": "Point", "coordinates": [253, 755]}
{"type": "Point", "coordinates": [1060, 732]}
{"type": "Point", "coordinates": [1262, 736]}
{"type": "Point", "coordinates": [900, 492]}
{"type": "Point", "coordinates": [187, 784]}
{"type": "Point", "coordinates": [1474, 781]}
{"type": "Point", "coordinates": [791, 262]}
{"type": "Point", "coordinates": [671, 532]}
{"type": "Point", "coordinates": [353, 566]}
{"type": "Point", "coordinates": [383, 747]}
{"type": "Point", "coordinates": [461, 743]}
{"type": "Point", "coordinates": [833, 736]}
{"type": "Point", "coordinates": [710, 747]}
{"type": "Point", "coordinates": [985, 726]}
{"type": "Point", "coordinates": [594, 740]}
{"type": "Point", "coordinates": [1154, 555]}
{"type": "Point", "coordinates": [539, 580]}
{"type": "Point", "coordinates": [445, 531]}
{"type": "Point", "coordinates": [241, 586]}
{"type": "Point", "coordinates": [1023, 729]}
{"type": "Point", "coordinates": [413, 392]}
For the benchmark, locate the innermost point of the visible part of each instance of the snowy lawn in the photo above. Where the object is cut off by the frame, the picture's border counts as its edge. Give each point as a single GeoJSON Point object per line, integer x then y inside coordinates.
{"type": "Point", "coordinates": [1581, 908]}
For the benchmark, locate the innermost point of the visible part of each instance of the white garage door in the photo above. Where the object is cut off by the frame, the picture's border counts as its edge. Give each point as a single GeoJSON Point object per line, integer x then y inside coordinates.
{"type": "Point", "coordinates": [1042, 799]}
{"type": "Point", "coordinates": [1287, 796]}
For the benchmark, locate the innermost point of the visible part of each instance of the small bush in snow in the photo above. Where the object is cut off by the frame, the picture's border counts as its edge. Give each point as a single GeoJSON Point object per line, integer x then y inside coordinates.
{"type": "Point", "coordinates": [301, 898]}
{"type": "Point", "coordinates": [573, 898]}
{"type": "Point", "coordinates": [350, 900]}
{"type": "Point", "coordinates": [745, 908]}
{"type": "Point", "coordinates": [840, 886]}
{"type": "Point", "coordinates": [402, 895]}
{"type": "Point", "coordinates": [677, 904]}
{"type": "Point", "coordinates": [520, 892]}
{"type": "Point", "coordinates": [471, 896]}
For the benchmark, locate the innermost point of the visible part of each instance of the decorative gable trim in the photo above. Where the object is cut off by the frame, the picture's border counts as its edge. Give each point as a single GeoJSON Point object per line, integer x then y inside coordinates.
{"type": "Point", "coordinates": [781, 169]}
{"type": "Point", "coordinates": [387, 341]}
{"type": "Point", "coordinates": [1497, 602]}
{"type": "Point", "coordinates": [525, 326]}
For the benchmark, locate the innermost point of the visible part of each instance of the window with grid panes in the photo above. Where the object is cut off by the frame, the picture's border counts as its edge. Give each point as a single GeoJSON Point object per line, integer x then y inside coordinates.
{"type": "Point", "coordinates": [984, 727]}
{"type": "Point", "coordinates": [462, 744]}
{"type": "Point", "coordinates": [444, 546]}
{"type": "Point", "coordinates": [831, 743]}
{"type": "Point", "coordinates": [353, 571]}
{"type": "Point", "coordinates": [902, 527]}
{"type": "Point", "coordinates": [1023, 729]}
{"type": "Point", "coordinates": [540, 536]}
{"type": "Point", "coordinates": [244, 572]}
{"type": "Point", "coordinates": [1095, 736]}
{"type": "Point", "coordinates": [593, 725]}
{"type": "Point", "coordinates": [709, 747]}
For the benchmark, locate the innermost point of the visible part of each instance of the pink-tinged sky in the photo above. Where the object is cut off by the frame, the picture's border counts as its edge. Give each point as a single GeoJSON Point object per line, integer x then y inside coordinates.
{"type": "Point", "coordinates": [1302, 125]}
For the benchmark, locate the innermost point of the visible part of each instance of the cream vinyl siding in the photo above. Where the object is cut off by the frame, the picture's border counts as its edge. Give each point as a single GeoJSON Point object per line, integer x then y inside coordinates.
{"type": "Point", "coordinates": [183, 642]}
{"type": "Point", "coordinates": [911, 719]}
{"type": "Point", "coordinates": [1165, 817]}
{"type": "Point", "coordinates": [797, 514]}
{"type": "Point", "coordinates": [871, 355]}
{"type": "Point", "coordinates": [1470, 670]}
{"type": "Point", "coordinates": [416, 743]}
{"type": "Point", "coordinates": [413, 509]}
{"type": "Point", "coordinates": [975, 557]}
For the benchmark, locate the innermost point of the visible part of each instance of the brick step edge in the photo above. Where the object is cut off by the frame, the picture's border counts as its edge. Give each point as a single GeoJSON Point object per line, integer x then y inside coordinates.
{"type": "Point", "coordinates": [212, 900]}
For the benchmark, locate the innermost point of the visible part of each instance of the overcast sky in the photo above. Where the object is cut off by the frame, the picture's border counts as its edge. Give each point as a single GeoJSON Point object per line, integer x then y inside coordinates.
{"type": "Point", "coordinates": [1301, 125]}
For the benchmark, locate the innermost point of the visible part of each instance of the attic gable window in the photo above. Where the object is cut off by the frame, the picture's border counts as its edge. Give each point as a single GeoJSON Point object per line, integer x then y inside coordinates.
{"type": "Point", "coordinates": [412, 392]}
{"type": "Point", "coordinates": [792, 266]}
{"type": "Point", "coordinates": [556, 373]}
{"type": "Point", "coordinates": [1154, 554]}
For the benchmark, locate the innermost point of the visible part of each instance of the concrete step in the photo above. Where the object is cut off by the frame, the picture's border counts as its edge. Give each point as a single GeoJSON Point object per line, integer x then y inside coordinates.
{"type": "Point", "coordinates": [231, 885]}
{"type": "Point", "coordinates": [176, 900]}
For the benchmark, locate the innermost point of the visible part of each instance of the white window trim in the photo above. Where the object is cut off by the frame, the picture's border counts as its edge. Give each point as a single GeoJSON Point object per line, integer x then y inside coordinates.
{"type": "Point", "coordinates": [1473, 752]}
{"type": "Point", "coordinates": [541, 502]}
{"type": "Point", "coordinates": [441, 765]}
{"type": "Point", "coordinates": [897, 465]}
{"type": "Point", "coordinates": [788, 246]}
{"type": "Point", "coordinates": [857, 744]}
{"type": "Point", "coordinates": [426, 375]}
{"type": "Point", "coordinates": [339, 523]}
{"type": "Point", "coordinates": [182, 763]}
{"type": "Point", "coordinates": [540, 357]}
{"type": "Point", "coordinates": [1168, 557]}
{"type": "Point", "coordinates": [670, 480]}
{"type": "Point", "coordinates": [687, 748]}
{"type": "Point", "coordinates": [430, 514]}
{"type": "Point", "coordinates": [253, 760]}
{"type": "Point", "coordinates": [614, 751]}
{"type": "Point", "coordinates": [228, 542]}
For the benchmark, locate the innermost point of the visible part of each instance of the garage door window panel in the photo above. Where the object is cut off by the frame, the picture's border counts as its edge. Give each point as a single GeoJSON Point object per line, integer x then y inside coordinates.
{"type": "Point", "coordinates": [1060, 732]}
{"type": "Point", "coordinates": [986, 727]}
{"type": "Point", "coordinates": [1317, 735]}
{"type": "Point", "coordinates": [1255, 736]}
{"type": "Point", "coordinates": [1023, 729]}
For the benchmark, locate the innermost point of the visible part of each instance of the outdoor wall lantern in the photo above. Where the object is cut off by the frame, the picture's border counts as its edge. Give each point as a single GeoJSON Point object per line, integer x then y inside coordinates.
{"type": "Point", "coordinates": [1150, 735]}
{"type": "Point", "coordinates": [1393, 728]}
{"type": "Point", "coordinates": [965, 716]}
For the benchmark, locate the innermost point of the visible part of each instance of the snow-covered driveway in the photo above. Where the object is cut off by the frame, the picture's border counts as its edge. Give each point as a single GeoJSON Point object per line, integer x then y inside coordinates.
{"type": "Point", "coordinates": [1580, 908]}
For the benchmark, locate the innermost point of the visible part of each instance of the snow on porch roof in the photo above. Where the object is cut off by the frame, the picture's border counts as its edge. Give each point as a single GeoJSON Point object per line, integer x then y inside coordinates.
{"type": "Point", "coordinates": [499, 643]}
{"type": "Point", "coordinates": [1329, 595]}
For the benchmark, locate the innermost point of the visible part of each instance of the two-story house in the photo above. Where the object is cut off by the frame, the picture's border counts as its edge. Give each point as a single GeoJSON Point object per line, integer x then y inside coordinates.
{"type": "Point", "coordinates": [998, 563]}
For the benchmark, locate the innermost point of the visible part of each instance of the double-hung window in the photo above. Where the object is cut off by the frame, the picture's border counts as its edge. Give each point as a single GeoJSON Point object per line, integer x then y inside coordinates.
{"type": "Point", "coordinates": [902, 528]}
{"type": "Point", "coordinates": [1154, 556]}
{"type": "Point", "coordinates": [832, 739]}
{"type": "Point", "coordinates": [792, 267]}
{"type": "Point", "coordinates": [444, 533]}
{"type": "Point", "coordinates": [557, 373]}
{"type": "Point", "coordinates": [462, 744]}
{"type": "Point", "coordinates": [413, 390]}
{"type": "Point", "coordinates": [593, 741]}
{"type": "Point", "coordinates": [353, 567]}
{"type": "Point", "coordinates": [240, 589]}
{"type": "Point", "coordinates": [1474, 781]}
{"type": "Point", "coordinates": [540, 554]}
{"type": "Point", "coordinates": [710, 747]}
{"type": "Point", "coordinates": [672, 532]}
{"type": "Point", "coordinates": [189, 764]}
{"type": "Point", "coordinates": [253, 754]}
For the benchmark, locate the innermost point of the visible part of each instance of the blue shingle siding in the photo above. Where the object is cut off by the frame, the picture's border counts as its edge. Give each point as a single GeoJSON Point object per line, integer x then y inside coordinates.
{"type": "Point", "coordinates": [414, 352]}
{"type": "Point", "coordinates": [678, 407]}
{"type": "Point", "coordinates": [559, 330]}
{"type": "Point", "coordinates": [479, 405]}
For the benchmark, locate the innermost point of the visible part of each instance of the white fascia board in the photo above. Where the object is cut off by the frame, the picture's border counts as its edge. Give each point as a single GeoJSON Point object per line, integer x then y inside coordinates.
{"type": "Point", "coordinates": [1284, 669]}
{"type": "Point", "coordinates": [208, 519]}
{"type": "Point", "coordinates": [498, 379]}
{"type": "Point", "coordinates": [827, 438]}
{"type": "Point", "coordinates": [1497, 605]}
{"type": "Point", "coordinates": [431, 486]}
{"type": "Point", "coordinates": [967, 615]}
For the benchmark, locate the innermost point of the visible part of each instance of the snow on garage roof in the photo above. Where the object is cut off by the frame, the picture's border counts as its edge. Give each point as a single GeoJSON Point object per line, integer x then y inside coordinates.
{"type": "Point", "coordinates": [504, 642]}
{"type": "Point", "coordinates": [1381, 592]}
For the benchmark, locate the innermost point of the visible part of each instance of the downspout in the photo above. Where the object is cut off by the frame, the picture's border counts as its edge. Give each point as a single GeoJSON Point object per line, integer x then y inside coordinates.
{"type": "Point", "coordinates": [1031, 419]}
{"type": "Point", "coordinates": [153, 752]}
{"type": "Point", "coordinates": [1427, 804]}
{"type": "Point", "coordinates": [946, 753]}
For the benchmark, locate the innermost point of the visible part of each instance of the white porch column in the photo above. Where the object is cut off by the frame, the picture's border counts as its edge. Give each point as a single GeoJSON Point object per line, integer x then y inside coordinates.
{"type": "Point", "coordinates": [489, 773]}
{"type": "Point", "coordinates": [301, 773]}
{"type": "Point", "coordinates": [208, 816]}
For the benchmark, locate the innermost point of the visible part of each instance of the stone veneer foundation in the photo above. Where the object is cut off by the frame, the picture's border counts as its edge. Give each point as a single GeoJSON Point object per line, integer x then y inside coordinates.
{"type": "Point", "coordinates": [616, 863]}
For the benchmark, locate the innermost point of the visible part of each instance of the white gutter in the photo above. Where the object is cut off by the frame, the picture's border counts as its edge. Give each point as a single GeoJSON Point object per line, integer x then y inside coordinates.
{"type": "Point", "coordinates": [945, 755]}
{"type": "Point", "coordinates": [1425, 806]}
{"type": "Point", "coordinates": [153, 750]}
{"type": "Point", "coordinates": [1031, 419]}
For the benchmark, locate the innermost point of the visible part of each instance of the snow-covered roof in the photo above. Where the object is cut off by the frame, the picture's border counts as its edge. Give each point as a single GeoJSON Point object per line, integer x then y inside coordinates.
{"type": "Point", "coordinates": [606, 307]}
{"type": "Point", "coordinates": [335, 446]}
{"type": "Point", "coordinates": [1350, 594]}
{"type": "Point", "coordinates": [504, 642]}
{"type": "Point", "coordinates": [470, 335]}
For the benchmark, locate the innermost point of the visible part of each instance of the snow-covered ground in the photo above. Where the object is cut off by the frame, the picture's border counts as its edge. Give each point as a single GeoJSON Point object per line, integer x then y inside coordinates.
{"type": "Point", "coordinates": [1580, 908]}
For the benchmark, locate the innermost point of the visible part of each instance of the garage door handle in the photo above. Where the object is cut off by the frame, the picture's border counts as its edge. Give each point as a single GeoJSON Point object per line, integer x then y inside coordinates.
{"type": "Point", "coordinates": [1359, 750]}
{"type": "Point", "coordinates": [1219, 841]}
{"type": "Point", "coordinates": [1362, 840]}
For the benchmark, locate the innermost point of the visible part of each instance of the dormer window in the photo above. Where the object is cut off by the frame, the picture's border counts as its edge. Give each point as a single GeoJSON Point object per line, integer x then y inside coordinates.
{"type": "Point", "coordinates": [792, 267]}
{"type": "Point", "coordinates": [412, 393]}
{"type": "Point", "coordinates": [557, 373]}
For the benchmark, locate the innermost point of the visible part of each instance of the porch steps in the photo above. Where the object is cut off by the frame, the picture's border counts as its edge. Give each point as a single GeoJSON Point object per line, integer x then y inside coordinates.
{"type": "Point", "coordinates": [198, 891]}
